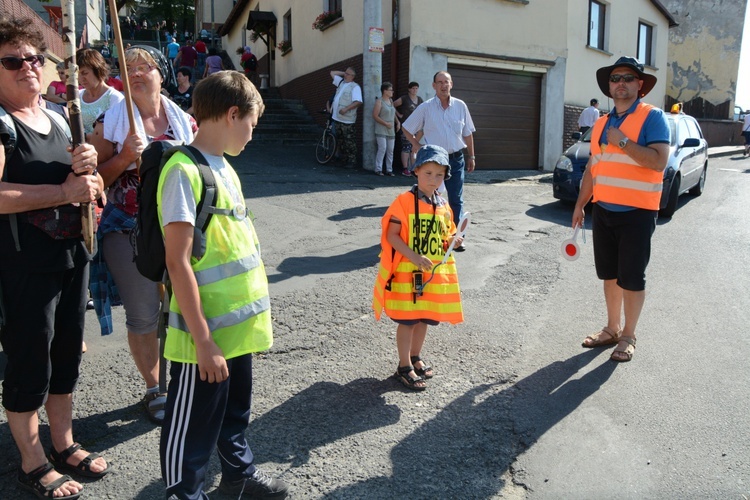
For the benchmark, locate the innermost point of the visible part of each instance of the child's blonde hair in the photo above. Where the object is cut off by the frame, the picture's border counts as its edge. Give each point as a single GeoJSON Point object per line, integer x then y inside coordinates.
{"type": "Point", "coordinates": [215, 94]}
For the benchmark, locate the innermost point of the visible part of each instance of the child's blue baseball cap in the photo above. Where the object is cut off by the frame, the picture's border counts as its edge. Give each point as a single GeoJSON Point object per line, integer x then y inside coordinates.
{"type": "Point", "coordinates": [431, 153]}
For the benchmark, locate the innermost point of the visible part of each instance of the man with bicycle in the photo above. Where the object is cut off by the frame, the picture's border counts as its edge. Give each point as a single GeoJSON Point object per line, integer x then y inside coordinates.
{"type": "Point", "coordinates": [345, 103]}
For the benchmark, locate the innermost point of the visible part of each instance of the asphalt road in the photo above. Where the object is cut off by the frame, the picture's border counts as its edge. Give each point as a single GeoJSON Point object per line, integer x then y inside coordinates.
{"type": "Point", "coordinates": [517, 409]}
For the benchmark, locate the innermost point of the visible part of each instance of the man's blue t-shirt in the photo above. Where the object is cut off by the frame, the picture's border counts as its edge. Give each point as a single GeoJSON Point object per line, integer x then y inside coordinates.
{"type": "Point", "coordinates": [172, 49]}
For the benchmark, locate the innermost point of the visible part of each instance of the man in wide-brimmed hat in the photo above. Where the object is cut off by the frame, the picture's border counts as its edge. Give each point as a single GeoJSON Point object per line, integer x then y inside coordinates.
{"type": "Point", "coordinates": [629, 151]}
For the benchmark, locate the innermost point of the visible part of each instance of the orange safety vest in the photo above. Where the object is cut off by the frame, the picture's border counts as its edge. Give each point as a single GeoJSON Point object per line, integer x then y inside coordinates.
{"type": "Point", "coordinates": [394, 291]}
{"type": "Point", "coordinates": [617, 177]}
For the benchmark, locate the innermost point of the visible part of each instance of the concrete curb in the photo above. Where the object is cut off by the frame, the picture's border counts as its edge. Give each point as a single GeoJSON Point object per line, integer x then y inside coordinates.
{"type": "Point", "coordinates": [720, 151]}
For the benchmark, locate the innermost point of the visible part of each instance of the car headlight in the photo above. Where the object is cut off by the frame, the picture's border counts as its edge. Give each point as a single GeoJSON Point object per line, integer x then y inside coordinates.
{"type": "Point", "coordinates": [564, 163]}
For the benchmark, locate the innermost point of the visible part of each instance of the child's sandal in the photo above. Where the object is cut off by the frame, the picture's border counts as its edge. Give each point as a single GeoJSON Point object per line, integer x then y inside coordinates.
{"type": "Point", "coordinates": [402, 374]}
{"type": "Point", "coordinates": [425, 372]}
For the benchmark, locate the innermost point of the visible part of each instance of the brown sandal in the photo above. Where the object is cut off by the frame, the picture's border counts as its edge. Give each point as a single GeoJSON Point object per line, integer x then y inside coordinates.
{"type": "Point", "coordinates": [595, 339]}
{"type": "Point", "coordinates": [626, 353]}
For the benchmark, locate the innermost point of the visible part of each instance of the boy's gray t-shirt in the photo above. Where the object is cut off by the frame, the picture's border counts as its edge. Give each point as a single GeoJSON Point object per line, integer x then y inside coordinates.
{"type": "Point", "coordinates": [178, 201]}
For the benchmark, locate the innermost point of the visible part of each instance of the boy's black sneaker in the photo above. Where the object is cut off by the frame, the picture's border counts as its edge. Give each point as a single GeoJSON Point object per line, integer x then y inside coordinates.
{"type": "Point", "coordinates": [259, 485]}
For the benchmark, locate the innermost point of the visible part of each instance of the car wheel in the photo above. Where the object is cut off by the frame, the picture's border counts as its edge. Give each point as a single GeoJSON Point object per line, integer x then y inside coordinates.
{"type": "Point", "coordinates": [697, 190]}
{"type": "Point", "coordinates": [674, 194]}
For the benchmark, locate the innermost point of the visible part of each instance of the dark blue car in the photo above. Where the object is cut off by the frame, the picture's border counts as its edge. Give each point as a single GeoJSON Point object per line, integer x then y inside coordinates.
{"type": "Point", "coordinates": [686, 167]}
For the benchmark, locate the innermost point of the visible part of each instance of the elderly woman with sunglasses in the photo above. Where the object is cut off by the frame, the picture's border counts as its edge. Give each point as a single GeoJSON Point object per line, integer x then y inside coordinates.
{"type": "Point", "coordinates": [156, 118]}
{"type": "Point", "coordinates": [43, 267]}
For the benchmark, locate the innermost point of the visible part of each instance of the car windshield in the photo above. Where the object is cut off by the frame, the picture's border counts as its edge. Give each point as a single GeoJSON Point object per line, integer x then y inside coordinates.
{"type": "Point", "coordinates": [587, 135]}
{"type": "Point", "coordinates": [672, 119]}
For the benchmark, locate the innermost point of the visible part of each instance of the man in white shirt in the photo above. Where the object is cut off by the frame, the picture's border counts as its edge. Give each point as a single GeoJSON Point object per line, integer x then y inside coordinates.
{"type": "Point", "coordinates": [446, 122]}
{"type": "Point", "coordinates": [588, 116]}
{"type": "Point", "coordinates": [345, 103]}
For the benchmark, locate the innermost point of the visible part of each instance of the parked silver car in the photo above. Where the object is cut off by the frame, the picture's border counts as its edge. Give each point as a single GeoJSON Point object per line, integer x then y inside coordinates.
{"type": "Point", "coordinates": [686, 167]}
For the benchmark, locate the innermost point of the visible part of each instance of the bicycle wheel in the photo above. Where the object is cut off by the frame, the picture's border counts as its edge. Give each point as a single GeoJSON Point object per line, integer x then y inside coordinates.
{"type": "Point", "coordinates": [325, 148]}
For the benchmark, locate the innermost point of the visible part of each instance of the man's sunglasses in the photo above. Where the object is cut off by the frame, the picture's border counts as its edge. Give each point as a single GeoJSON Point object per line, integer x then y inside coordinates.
{"type": "Point", "coordinates": [15, 63]}
{"type": "Point", "coordinates": [626, 78]}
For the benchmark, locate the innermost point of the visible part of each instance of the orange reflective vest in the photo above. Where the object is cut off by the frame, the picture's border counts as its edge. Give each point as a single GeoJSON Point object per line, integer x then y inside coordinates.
{"type": "Point", "coordinates": [616, 176]}
{"type": "Point", "coordinates": [394, 291]}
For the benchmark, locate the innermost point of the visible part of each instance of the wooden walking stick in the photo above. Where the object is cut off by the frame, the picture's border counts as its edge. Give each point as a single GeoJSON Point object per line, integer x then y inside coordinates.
{"type": "Point", "coordinates": [88, 217]}
{"type": "Point", "coordinates": [123, 69]}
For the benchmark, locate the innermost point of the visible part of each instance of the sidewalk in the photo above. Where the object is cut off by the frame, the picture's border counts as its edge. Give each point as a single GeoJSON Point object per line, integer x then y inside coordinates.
{"type": "Point", "coordinates": [719, 151]}
{"type": "Point", "coordinates": [266, 159]}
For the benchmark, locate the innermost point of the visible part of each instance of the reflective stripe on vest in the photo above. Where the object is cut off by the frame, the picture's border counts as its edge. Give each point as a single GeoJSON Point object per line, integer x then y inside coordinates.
{"type": "Point", "coordinates": [231, 279]}
{"type": "Point", "coordinates": [441, 298]}
{"type": "Point", "coordinates": [232, 318]}
{"type": "Point", "coordinates": [227, 270]}
{"type": "Point", "coordinates": [616, 177]}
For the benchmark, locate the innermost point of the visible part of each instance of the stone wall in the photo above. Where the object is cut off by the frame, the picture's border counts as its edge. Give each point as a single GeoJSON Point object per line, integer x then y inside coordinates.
{"type": "Point", "coordinates": [704, 53]}
{"type": "Point", "coordinates": [722, 132]}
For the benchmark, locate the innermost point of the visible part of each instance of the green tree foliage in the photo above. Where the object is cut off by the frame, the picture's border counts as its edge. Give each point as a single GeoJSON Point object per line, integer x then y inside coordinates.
{"type": "Point", "coordinates": [171, 10]}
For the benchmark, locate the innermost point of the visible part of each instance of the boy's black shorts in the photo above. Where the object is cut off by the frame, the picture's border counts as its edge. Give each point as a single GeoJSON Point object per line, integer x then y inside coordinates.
{"type": "Point", "coordinates": [622, 245]}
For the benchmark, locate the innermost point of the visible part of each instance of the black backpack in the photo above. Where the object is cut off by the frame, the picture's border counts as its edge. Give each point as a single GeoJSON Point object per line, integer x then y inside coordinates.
{"type": "Point", "coordinates": [147, 239]}
{"type": "Point", "coordinates": [252, 63]}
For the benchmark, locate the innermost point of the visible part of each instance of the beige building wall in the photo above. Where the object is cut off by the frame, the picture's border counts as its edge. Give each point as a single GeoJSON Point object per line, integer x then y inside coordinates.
{"type": "Point", "coordinates": [311, 49]}
{"type": "Point", "coordinates": [621, 40]}
{"type": "Point", "coordinates": [222, 8]}
{"type": "Point", "coordinates": [94, 21]}
{"type": "Point", "coordinates": [488, 30]}
{"type": "Point", "coordinates": [500, 35]}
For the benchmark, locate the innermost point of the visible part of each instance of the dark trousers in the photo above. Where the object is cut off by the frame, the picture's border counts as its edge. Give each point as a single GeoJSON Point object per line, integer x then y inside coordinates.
{"type": "Point", "coordinates": [201, 416]}
{"type": "Point", "coordinates": [43, 334]}
{"type": "Point", "coordinates": [455, 186]}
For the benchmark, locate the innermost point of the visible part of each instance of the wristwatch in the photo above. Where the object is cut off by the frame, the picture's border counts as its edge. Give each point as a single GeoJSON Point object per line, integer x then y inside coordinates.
{"type": "Point", "coordinates": [623, 143]}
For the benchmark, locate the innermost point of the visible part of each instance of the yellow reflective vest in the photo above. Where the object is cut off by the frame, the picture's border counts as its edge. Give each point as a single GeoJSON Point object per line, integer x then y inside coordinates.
{"type": "Point", "coordinates": [394, 291]}
{"type": "Point", "coordinates": [616, 177]}
{"type": "Point", "coordinates": [231, 278]}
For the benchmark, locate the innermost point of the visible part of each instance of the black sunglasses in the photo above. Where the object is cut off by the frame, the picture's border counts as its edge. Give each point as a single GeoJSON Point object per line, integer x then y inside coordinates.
{"type": "Point", "coordinates": [626, 78]}
{"type": "Point", "coordinates": [15, 63]}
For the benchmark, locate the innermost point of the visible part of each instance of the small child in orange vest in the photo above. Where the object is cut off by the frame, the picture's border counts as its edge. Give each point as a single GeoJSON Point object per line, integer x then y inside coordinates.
{"type": "Point", "coordinates": [415, 292]}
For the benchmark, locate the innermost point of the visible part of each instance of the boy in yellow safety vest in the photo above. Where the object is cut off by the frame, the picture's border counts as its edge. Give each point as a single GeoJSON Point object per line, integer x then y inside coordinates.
{"type": "Point", "coordinates": [220, 312]}
{"type": "Point", "coordinates": [413, 290]}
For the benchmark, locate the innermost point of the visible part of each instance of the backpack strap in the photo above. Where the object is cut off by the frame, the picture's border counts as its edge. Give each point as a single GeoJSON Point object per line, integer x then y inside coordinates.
{"type": "Point", "coordinates": [7, 134]}
{"type": "Point", "coordinates": [61, 121]}
{"type": "Point", "coordinates": [206, 207]}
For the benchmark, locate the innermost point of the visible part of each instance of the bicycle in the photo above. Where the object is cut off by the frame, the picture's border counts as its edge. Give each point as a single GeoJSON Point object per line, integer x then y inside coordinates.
{"type": "Point", "coordinates": [325, 149]}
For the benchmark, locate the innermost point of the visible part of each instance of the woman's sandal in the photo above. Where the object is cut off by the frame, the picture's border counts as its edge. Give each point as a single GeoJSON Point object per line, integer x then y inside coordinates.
{"type": "Point", "coordinates": [59, 459]}
{"type": "Point", "coordinates": [596, 340]}
{"type": "Point", "coordinates": [155, 404]}
{"type": "Point", "coordinates": [425, 372]}
{"type": "Point", "coordinates": [626, 354]}
{"type": "Point", "coordinates": [402, 374]}
{"type": "Point", "coordinates": [32, 482]}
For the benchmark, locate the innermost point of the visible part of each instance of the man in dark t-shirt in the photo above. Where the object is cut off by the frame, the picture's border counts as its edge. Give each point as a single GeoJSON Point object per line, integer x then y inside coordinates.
{"type": "Point", "coordinates": [187, 56]}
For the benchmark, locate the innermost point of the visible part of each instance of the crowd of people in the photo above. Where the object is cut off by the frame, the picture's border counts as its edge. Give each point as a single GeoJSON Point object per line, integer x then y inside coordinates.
{"type": "Point", "coordinates": [220, 308]}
